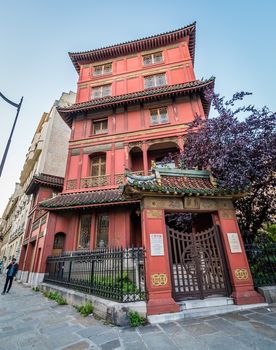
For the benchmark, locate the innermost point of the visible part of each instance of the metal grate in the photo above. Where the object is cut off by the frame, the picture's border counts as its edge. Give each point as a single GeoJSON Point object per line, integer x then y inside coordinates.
{"type": "Point", "coordinates": [197, 264]}
{"type": "Point", "coordinates": [112, 273]}
{"type": "Point", "coordinates": [262, 261]}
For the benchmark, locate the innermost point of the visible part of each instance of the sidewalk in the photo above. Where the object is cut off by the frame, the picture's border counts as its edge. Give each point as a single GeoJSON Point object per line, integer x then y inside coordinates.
{"type": "Point", "coordinates": [30, 321]}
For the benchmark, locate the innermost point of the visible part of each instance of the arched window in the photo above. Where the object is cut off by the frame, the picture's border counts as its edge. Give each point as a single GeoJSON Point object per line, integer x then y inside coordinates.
{"type": "Point", "coordinates": [98, 165]}
{"type": "Point", "coordinates": [59, 240]}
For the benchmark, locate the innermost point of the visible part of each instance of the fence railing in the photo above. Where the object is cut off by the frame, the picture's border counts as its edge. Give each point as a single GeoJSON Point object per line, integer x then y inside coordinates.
{"type": "Point", "coordinates": [262, 261]}
{"type": "Point", "coordinates": [111, 273]}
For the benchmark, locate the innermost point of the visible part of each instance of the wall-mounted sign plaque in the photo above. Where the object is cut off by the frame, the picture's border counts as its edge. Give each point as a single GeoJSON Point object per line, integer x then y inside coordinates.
{"type": "Point", "coordinates": [234, 242]}
{"type": "Point", "coordinates": [156, 244]}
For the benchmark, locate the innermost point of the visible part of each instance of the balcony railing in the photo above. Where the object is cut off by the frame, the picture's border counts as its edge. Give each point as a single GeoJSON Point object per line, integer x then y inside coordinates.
{"type": "Point", "coordinates": [111, 273]}
{"type": "Point", "coordinates": [95, 181]}
{"type": "Point", "coordinates": [99, 181]}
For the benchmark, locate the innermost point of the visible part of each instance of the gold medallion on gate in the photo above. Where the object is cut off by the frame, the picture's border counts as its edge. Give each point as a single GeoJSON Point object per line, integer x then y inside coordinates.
{"type": "Point", "coordinates": [159, 279]}
{"type": "Point", "coordinates": [241, 274]}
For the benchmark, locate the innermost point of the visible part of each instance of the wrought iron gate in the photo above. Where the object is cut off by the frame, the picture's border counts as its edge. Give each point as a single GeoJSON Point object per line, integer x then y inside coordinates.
{"type": "Point", "coordinates": [197, 264]}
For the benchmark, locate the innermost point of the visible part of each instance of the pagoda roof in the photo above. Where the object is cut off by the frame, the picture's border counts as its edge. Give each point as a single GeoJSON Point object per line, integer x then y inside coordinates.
{"type": "Point", "coordinates": [86, 199]}
{"type": "Point", "coordinates": [45, 180]}
{"type": "Point", "coordinates": [148, 95]}
{"type": "Point", "coordinates": [177, 182]}
{"type": "Point", "coordinates": [134, 46]}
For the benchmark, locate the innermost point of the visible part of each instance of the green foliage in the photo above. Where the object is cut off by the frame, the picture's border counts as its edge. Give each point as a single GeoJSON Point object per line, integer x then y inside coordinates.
{"type": "Point", "coordinates": [55, 296]}
{"type": "Point", "coordinates": [85, 309]}
{"type": "Point", "coordinates": [136, 319]}
{"type": "Point", "coordinates": [120, 283]}
{"type": "Point", "coordinates": [36, 289]}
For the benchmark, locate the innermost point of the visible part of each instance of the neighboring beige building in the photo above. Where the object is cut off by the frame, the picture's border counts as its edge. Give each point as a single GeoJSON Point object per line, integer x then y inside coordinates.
{"type": "Point", "coordinates": [47, 154]}
{"type": "Point", "coordinates": [7, 225]}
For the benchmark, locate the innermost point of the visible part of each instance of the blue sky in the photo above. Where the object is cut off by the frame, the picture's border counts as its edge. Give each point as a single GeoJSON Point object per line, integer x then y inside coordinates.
{"type": "Point", "coordinates": [235, 42]}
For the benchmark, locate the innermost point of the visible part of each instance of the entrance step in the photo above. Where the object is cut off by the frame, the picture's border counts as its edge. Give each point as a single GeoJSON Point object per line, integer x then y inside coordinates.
{"type": "Point", "coordinates": [204, 303]}
{"type": "Point", "coordinates": [201, 312]}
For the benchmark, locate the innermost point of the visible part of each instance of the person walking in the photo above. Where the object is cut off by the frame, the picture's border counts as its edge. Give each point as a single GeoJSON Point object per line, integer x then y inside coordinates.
{"type": "Point", "coordinates": [11, 273]}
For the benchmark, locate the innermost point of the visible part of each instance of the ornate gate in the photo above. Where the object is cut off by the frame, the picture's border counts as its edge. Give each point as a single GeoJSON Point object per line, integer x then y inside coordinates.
{"type": "Point", "coordinates": [197, 264]}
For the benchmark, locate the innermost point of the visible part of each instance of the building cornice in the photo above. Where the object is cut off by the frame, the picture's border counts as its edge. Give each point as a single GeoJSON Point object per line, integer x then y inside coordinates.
{"type": "Point", "coordinates": [139, 45]}
{"type": "Point", "coordinates": [143, 96]}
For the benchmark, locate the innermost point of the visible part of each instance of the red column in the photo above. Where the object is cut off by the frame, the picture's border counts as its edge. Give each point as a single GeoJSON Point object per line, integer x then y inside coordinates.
{"type": "Point", "coordinates": [239, 272]}
{"type": "Point", "coordinates": [145, 157]}
{"type": "Point", "coordinates": [158, 276]}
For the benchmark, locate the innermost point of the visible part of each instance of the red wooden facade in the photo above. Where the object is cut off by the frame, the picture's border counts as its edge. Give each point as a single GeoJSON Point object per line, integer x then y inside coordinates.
{"type": "Point", "coordinates": [134, 103]}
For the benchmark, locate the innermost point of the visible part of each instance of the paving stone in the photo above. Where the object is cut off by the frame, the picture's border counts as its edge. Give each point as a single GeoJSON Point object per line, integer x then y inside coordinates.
{"type": "Point", "coordinates": [158, 341]}
{"type": "Point", "coordinates": [137, 345]}
{"type": "Point", "coordinates": [263, 318]}
{"type": "Point", "coordinates": [113, 344]}
{"type": "Point", "coordinates": [225, 326]}
{"type": "Point", "coordinates": [82, 345]}
{"type": "Point", "coordinates": [170, 328]}
{"type": "Point", "coordinates": [200, 329]}
{"type": "Point", "coordinates": [149, 329]}
{"type": "Point", "coordinates": [105, 337]}
{"type": "Point", "coordinates": [219, 341]}
{"type": "Point", "coordinates": [29, 321]}
{"type": "Point", "coordinates": [234, 317]}
{"type": "Point", "coordinates": [186, 341]}
{"type": "Point", "coordinates": [129, 335]}
{"type": "Point", "coordinates": [265, 330]}
{"type": "Point", "coordinates": [91, 331]}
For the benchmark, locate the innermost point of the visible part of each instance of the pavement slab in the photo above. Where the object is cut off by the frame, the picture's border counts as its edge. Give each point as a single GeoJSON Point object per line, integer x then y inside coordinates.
{"type": "Point", "coordinates": [29, 321]}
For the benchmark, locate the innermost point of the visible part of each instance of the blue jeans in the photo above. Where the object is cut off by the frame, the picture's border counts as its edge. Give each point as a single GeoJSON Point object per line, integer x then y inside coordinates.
{"type": "Point", "coordinates": [9, 280]}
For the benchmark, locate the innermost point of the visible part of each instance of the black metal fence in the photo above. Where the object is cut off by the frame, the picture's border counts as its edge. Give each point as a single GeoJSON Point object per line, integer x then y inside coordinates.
{"type": "Point", "coordinates": [111, 273]}
{"type": "Point", "coordinates": [262, 261]}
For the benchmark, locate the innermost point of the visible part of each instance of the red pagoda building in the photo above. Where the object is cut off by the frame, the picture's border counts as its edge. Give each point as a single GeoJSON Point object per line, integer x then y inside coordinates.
{"type": "Point", "coordinates": [134, 103]}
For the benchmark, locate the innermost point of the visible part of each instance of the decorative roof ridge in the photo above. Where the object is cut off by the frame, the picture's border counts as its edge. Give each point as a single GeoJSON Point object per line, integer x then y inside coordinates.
{"type": "Point", "coordinates": [189, 173]}
{"type": "Point", "coordinates": [140, 93]}
{"type": "Point", "coordinates": [42, 178]}
{"type": "Point", "coordinates": [107, 50]}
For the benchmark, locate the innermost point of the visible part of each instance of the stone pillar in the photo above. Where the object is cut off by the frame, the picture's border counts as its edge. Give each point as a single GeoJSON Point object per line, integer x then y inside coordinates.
{"type": "Point", "coordinates": [157, 269]}
{"type": "Point", "coordinates": [243, 291]}
{"type": "Point", "coordinates": [145, 157]}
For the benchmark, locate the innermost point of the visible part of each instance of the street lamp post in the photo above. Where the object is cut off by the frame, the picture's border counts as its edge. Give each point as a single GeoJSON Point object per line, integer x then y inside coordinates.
{"type": "Point", "coordinates": [18, 106]}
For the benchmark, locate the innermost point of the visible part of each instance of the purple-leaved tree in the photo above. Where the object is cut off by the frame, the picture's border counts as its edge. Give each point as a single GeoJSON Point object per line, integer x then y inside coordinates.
{"type": "Point", "coordinates": [238, 145]}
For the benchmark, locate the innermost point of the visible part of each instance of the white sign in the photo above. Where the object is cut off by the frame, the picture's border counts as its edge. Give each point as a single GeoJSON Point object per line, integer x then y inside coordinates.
{"type": "Point", "coordinates": [156, 244]}
{"type": "Point", "coordinates": [234, 242]}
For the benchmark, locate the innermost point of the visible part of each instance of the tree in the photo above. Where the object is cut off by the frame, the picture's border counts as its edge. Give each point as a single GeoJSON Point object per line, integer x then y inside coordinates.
{"type": "Point", "coordinates": [238, 145]}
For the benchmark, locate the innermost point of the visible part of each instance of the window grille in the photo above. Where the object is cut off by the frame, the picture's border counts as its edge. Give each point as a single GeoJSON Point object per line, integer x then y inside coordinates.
{"type": "Point", "coordinates": [153, 58]}
{"type": "Point", "coordinates": [101, 91]}
{"type": "Point", "coordinates": [159, 116]}
{"type": "Point", "coordinates": [103, 69]}
{"type": "Point", "coordinates": [155, 80]}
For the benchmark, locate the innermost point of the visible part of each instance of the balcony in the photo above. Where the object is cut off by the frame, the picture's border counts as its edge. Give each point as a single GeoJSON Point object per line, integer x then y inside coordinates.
{"type": "Point", "coordinates": [99, 181]}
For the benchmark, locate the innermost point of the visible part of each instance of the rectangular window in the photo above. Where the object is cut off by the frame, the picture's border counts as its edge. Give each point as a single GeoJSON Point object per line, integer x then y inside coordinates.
{"type": "Point", "coordinates": [98, 165]}
{"type": "Point", "coordinates": [155, 80]}
{"type": "Point", "coordinates": [100, 127]}
{"type": "Point", "coordinates": [102, 230]}
{"type": "Point", "coordinates": [153, 58]}
{"type": "Point", "coordinates": [84, 235]}
{"type": "Point", "coordinates": [101, 91]}
{"type": "Point", "coordinates": [159, 116]}
{"type": "Point", "coordinates": [103, 69]}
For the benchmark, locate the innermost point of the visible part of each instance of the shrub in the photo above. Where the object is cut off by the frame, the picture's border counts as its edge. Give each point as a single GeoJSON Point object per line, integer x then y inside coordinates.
{"type": "Point", "coordinates": [55, 296]}
{"type": "Point", "coordinates": [136, 319]}
{"type": "Point", "coordinates": [85, 309]}
{"type": "Point", "coordinates": [36, 289]}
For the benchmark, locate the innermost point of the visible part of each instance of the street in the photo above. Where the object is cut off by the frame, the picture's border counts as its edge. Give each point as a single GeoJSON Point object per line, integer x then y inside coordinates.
{"type": "Point", "coordinates": [28, 320]}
